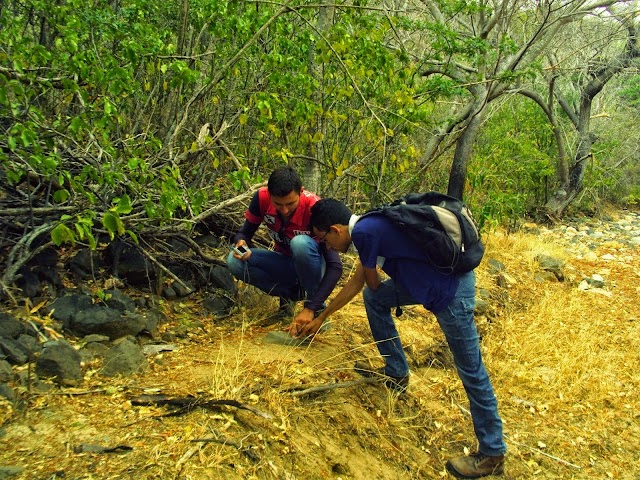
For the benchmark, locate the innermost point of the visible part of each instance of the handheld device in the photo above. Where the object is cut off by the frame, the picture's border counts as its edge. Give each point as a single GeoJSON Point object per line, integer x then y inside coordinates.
{"type": "Point", "coordinates": [241, 250]}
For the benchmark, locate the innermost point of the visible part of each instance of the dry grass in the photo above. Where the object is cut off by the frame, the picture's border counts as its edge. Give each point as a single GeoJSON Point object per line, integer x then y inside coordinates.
{"type": "Point", "coordinates": [564, 364]}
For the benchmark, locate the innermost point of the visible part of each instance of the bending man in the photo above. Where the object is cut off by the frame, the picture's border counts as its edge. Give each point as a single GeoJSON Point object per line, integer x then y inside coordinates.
{"type": "Point", "coordinates": [413, 280]}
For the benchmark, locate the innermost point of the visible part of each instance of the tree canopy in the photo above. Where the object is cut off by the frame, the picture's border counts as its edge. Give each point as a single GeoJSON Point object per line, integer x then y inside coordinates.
{"type": "Point", "coordinates": [124, 117]}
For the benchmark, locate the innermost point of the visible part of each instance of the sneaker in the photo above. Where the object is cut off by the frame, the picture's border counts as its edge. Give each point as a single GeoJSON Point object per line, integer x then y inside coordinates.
{"type": "Point", "coordinates": [476, 465]}
{"type": "Point", "coordinates": [398, 384]}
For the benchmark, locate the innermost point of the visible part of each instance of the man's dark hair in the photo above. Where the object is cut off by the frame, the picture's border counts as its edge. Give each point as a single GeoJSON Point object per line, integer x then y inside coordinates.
{"type": "Point", "coordinates": [327, 212]}
{"type": "Point", "coordinates": [283, 181]}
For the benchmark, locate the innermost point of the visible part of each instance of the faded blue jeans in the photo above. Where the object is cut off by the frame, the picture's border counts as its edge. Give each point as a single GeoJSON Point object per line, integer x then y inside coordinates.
{"type": "Point", "coordinates": [282, 275]}
{"type": "Point", "coordinates": [457, 323]}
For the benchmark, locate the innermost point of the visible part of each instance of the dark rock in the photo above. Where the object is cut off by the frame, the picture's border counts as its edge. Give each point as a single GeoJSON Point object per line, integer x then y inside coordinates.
{"type": "Point", "coordinates": [95, 338]}
{"type": "Point", "coordinates": [183, 290]}
{"type": "Point", "coordinates": [221, 277]}
{"type": "Point", "coordinates": [7, 392]}
{"type": "Point", "coordinates": [154, 317]}
{"type": "Point", "coordinates": [6, 372]}
{"type": "Point", "coordinates": [551, 264]}
{"type": "Point", "coordinates": [28, 282]}
{"type": "Point", "coordinates": [178, 246]}
{"type": "Point", "coordinates": [495, 266]}
{"type": "Point", "coordinates": [59, 361]}
{"type": "Point", "coordinates": [95, 347]}
{"type": "Point", "coordinates": [48, 275]}
{"type": "Point", "coordinates": [65, 308]}
{"type": "Point", "coordinates": [9, 471]}
{"type": "Point", "coordinates": [169, 337]}
{"type": "Point", "coordinates": [482, 306]}
{"type": "Point", "coordinates": [11, 327]}
{"type": "Point", "coordinates": [208, 240]}
{"type": "Point", "coordinates": [169, 293]}
{"type": "Point", "coordinates": [47, 258]}
{"type": "Point", "coordinates": [218, 305]}
{"type": "Point", "coordinates": [119, 301]}
{"type": "Point", "coordinates": [106, 321]}
{"type": "Point", "coordinates": [84, 263]}
{"type": "Point", "coordinates": [545, 276]}
{"type": "Point", "coordinates": [124, 358]}
{"type": "Point", "coordinates": [13, 351]}
{"type": "Point", "coordinates": [129, 264]}
{"type": "Point", "coordinates": [31, 344]}
{"type": "Point", "coordinates": [94, 350]}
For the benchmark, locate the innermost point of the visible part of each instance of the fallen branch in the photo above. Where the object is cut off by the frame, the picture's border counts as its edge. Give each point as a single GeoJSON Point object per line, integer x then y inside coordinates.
{"type": "Point", "coordinates": [246, 451]}
{"type": "Point", "coordinates": [186, 287]}
{"type": "Point", "coordinates": [189, 403]}
{"type": "Point", "coordinates": [223, 205]}
{"type": "Point", "coordinates": [196, 248]}
{"type": "Point", "coordinates": [332, 386]}
{"type": "Point", "coordinates": [537, 450]}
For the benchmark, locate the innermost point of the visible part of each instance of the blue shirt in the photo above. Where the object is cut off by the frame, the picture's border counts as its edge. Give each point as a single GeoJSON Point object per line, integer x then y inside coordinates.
{"type": "Point", "coordinates": [376, 236]}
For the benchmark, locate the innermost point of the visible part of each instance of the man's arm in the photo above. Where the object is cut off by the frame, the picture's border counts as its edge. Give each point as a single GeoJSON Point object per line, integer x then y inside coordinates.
{"type": "Point", "coordinates": [332, 273]}
{"type": "Point", "coordinates": [248, 229]}
{"type": "Point", "coordinates": [344, 296]}
{"type": "Point", "coordinates": [372, 278]}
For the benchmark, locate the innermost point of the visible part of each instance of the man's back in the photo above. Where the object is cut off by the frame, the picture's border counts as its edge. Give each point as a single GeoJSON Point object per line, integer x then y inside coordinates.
{"type": "Point", "coordinates": [376, 236]}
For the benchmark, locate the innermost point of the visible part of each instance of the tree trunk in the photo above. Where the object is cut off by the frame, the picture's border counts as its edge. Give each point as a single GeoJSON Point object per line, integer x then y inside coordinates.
{"type": "Point", "coordinates": [464, 147]}
{"type": "Point", "coordinates": [562, 198]}
{"type": "Point", "coordinates": [182, 33]}
{"type": "Point", "coordinates": [312, 173]}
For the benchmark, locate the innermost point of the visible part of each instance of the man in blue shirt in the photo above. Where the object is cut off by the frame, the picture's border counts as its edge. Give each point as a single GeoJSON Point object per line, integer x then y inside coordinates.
{"type": "Point", "coordinates": [451, 298]}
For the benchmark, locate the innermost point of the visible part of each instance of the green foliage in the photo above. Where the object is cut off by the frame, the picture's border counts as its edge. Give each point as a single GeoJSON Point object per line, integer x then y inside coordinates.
{"type": "Point", "coordinates": [630, 93]}
{"type": "Point", "coordinates": [107, 103]}
{"type": "Point", "coordinates": [514, 163]}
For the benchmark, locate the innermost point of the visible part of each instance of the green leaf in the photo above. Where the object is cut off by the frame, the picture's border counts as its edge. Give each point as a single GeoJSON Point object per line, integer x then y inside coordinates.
{"type": "Point", "coordinates": [60, 196]}
{"type": "Point", "coordinates": [61, 234]}
{"type": "Point", "coordinates": [92, 241]}
{"type": "Point", "coordinates": [123, 205]}
{"type": "Point", "coordinates": [113, 224]}
{"type": "Point", "coordinates": [133, 236]}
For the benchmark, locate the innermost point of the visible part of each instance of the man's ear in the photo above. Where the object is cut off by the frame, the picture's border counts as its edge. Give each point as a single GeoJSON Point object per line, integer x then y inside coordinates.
{"type": "Point", "coordinates": [339, 229]}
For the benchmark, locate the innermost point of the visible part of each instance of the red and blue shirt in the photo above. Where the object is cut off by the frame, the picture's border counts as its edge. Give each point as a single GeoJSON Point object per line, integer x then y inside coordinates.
{"type": "Point", "coordinates": [261, 210]}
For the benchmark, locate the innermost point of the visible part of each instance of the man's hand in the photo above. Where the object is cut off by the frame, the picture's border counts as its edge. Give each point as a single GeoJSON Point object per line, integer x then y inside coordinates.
{"type": "Point", "coordinates": [304, 324]}
{"type": "Point", "coordinates": [245, 257]}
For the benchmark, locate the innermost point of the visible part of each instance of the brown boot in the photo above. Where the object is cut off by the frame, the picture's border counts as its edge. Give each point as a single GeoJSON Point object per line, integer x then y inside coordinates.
{"type": "Point", "coordinates": [476, 465]}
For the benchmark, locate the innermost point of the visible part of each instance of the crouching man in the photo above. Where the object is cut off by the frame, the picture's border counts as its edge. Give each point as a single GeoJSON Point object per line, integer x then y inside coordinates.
{"type": "Point", "coordinates": [299, 267]}
{"type": "Point", "coordinates": [413, 280]}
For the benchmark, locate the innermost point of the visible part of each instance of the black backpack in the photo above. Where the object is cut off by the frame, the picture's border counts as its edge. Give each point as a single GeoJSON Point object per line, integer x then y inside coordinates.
{"type": "Point", "coordinates": [441, 225]}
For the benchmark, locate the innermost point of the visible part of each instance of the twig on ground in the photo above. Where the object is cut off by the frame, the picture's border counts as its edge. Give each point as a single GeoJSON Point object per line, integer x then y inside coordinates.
{"type": "Point", "coordinates": [188, 403]}
{"type": "Point", "coordinates": [165, 269]}
{"type": "Point", "coordinates": [332, 386]}
{"type": "Point", "coordinates": [221, 439]}
{"type": "Point", "coordinates": [537, 450]}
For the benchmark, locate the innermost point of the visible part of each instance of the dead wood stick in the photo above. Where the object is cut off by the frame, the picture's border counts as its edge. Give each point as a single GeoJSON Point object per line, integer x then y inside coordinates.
{"type": "Point", "coordinates": [537, 450]}
{"type": "Point", "coordinates": [195, 247]}
{"type": "Point", "coordinates": [332, 386]}
{"type": "Point", "coordinates": [9, 212]}
{"type": "Point", "coordinates": [192, 402]}
{"type": "Point", "coordinates": [222, 205]}
{"type": "Point", "coordinates": [233, 158]}
{"type": "Point", "coordinates": [222, 440]}
{"type": "Point", "coordinates": [186, 287]}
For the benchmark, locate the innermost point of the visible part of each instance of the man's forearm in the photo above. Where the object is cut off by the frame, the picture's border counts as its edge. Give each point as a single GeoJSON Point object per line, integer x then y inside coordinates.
{"type": "Point", "coordinates": [344, 296]}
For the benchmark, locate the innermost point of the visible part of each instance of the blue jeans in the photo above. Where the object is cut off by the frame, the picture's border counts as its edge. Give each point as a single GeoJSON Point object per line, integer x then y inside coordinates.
{"type": "Point", "coordinates": [282, 275]}
{"type": "Point", "coordinates": [459, 328]}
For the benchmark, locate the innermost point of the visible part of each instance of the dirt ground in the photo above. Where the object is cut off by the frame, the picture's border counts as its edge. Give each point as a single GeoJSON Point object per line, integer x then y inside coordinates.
{"type": "Point", "coordinates": [564, 363]}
